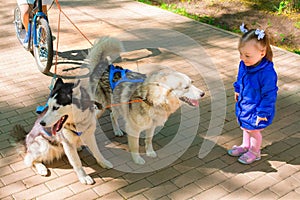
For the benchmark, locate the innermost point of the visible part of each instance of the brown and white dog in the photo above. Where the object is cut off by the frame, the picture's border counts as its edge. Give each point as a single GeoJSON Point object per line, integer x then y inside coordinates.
{"type": "Point", "coordinates": [159, 94]}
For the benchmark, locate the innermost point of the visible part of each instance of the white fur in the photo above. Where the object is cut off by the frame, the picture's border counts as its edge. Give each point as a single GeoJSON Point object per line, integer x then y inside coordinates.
{"type": "Point", "coordinates": [104, 47]}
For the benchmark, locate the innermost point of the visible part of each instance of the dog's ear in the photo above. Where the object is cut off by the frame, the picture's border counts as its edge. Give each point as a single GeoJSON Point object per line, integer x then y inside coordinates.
{"type": "Point", "coordinates": [75, 87]}
{"type": "Point", "coordinates": [76, 84]}
{"type": "Point", "coordinates": [156, 94]}
{"type": "Point", "coordinates": [161, 95]}
{"type": "Point", "coordinates": [58, 84]}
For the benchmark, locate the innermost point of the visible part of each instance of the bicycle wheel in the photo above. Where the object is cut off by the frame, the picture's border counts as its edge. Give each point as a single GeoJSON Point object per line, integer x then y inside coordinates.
{"type": "Point", "coordinates": [43, 51]}
{"type": "Point", "coordinates": [19, 28]}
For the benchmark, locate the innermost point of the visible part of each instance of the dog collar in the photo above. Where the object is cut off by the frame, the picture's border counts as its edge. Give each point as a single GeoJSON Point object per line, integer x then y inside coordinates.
{"type": "Point", "coordinates": [48, 133]}
{"type": "Point", "coordinates": [113, 70]}
{"type": "Point", "coordinates": [77, 133]}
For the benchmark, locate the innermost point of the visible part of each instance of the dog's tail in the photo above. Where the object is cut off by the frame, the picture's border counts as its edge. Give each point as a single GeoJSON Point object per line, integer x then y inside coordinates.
{"type": "Point", "coordinates": [17, 138]}
{"type": "Point", "coordinates": [105, 49]}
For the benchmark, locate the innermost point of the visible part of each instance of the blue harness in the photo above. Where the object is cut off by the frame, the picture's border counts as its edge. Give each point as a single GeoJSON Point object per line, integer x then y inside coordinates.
{"type": "Point", "coordinates": [113, 70]}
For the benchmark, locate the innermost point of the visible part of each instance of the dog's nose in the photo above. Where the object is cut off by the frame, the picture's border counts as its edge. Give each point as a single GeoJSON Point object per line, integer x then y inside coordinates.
{"type": "Point", "coordinates": [43, 123]}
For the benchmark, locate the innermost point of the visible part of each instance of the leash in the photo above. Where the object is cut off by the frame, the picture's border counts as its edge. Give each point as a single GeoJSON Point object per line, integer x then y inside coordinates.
{"type": "Point", "coordinates": [113, 70]}
{"type": "Point", "coordinates": [99, 106]}
{"type": "Point", "coordinates": [40, 109]}
{"type": "Point", "coordinates": [68, 18]}
{"type": "Point", "coordinates": [58, 31]}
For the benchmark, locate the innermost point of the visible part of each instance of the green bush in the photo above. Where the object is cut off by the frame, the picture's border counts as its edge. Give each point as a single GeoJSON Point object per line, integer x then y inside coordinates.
{"type": "Point", "coordinates": [288, 6]}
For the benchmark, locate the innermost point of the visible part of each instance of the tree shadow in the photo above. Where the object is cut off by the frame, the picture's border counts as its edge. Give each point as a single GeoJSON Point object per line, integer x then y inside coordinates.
{"type": "Point", "coordinates": [73, 55]}
{"type": "Point", "coordinates": [74, 62]}
{"type": "Point", "coordinates": [285, 150]}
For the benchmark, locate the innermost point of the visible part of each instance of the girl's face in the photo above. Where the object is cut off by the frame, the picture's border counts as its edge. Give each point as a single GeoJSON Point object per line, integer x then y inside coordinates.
{"type": "Point", "coordinates": [251, 52]}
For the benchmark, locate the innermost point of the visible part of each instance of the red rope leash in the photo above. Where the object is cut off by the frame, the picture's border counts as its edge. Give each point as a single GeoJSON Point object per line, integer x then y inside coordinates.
{"type": "Point", "coordinates": [57, 41]}
{"type": "Point", "coordinates": [59, 7]}
{"type": "Point", "coordinates": [58, 30]}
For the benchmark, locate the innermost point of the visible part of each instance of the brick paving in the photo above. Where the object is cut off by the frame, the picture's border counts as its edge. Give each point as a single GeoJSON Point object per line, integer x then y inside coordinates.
{"type": "Point", "coordinates": [151, 37]}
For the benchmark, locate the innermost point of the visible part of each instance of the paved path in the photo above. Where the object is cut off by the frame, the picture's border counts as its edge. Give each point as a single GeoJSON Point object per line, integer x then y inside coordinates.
{"type": "Point", "coordinates": [152, 36]}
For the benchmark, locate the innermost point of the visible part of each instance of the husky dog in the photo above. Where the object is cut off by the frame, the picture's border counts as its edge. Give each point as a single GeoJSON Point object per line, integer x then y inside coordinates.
{"type": "Point", "coordinates": [68, 123]}
{"type": "Point", "coordinates": [159, 94]}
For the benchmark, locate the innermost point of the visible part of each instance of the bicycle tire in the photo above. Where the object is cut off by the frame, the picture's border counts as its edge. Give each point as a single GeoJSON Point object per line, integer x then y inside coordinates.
{"type": "Point", "coordinates": [43, 51]}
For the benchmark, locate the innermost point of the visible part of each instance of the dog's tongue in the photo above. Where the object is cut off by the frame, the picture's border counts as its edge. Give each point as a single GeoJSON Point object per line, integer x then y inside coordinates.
{"type": "Point", "coordinates": [194, 102]}
{"type": "Point", "coordinates": [56, 127]}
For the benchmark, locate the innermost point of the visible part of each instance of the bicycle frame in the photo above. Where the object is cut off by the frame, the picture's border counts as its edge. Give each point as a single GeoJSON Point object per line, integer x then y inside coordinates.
{"type": "Point", "coordinates": [34, 33]}
{"type": "Point", "coordinates": [38, 14]}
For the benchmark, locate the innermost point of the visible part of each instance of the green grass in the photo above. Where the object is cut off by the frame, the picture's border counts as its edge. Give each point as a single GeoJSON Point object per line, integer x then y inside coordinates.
{"type": "Point", "coordinates": [297, 25]}
{"type": "Point", "coordinates": [145, 1]}
{"type": "Point", "coordinates": [297, 51]}
{"type": "Point", "coordinates": [276, 6]}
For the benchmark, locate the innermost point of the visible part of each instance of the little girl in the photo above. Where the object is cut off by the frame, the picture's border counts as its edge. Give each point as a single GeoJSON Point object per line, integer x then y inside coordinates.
{"type": "Point", "coordinates": [255, 93]}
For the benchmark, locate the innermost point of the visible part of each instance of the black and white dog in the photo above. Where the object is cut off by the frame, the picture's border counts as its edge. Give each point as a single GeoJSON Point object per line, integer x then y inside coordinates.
{"type": "Point", "coordinates": [68, 123]}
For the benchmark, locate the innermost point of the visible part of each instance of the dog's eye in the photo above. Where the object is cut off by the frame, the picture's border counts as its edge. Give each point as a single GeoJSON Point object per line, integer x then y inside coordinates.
{"type": "Point", "coordinates": [55, 107]}
{"type": "Point", "coordinates": [187, 87]}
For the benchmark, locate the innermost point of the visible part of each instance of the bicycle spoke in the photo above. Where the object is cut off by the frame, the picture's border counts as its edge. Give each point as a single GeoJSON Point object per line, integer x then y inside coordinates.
{"type": "Point", "coordinates": [42, 43]}
{"type": "Point", "coordinates": [43, 52]}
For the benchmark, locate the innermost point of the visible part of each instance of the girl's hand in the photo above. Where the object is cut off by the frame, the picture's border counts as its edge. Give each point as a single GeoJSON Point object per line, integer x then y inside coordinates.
{"type": "Point", "coordinates": [259, 119]}
{"type": "Point", "coordinates": [236, 96]}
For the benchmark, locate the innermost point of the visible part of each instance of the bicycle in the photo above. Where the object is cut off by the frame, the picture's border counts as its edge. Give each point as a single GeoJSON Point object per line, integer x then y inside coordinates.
{"type": "Point", "coordinates": [40, 42]}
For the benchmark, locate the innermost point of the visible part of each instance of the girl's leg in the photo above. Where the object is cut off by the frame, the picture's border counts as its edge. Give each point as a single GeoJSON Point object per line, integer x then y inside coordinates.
{"type": "Point", "coordinates": [255, 140]}
{"type": "Point", "coordinates": [254, 152]}
{"type": "Point", "coordinates": [243, 148]}
{"type": "Point", "coordinates": [246, 139]}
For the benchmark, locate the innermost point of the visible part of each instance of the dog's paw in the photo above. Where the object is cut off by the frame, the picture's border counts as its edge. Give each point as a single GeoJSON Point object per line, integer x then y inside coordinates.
{"type": "Point", "coordinates": [138, 159]}
{"type": "Point", "coordinates": [118, 132]}
{"type": "Point", "coordinates": [106, 164]}
{"type": "Point", "coordinates": [79, 149]}
{"type": "Point", "coordinates": [151, 154]}
{"type": "Point", "coordinates": [87, 180]}
{"type": "Point", "coordinates": [41, 169]}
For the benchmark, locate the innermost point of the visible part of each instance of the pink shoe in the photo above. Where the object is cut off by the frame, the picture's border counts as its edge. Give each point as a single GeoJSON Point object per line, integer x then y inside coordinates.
{"type": "Point", "coordinates": [249, 157]}
{"type": "Point", "coordinates": [237, 151]}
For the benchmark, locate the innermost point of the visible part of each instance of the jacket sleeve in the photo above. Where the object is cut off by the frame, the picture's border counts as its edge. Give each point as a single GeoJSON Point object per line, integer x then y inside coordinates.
{"type": "Point", "coordinates": [269, 90]}
{"type": "Point", "coordinates": [236, 84]}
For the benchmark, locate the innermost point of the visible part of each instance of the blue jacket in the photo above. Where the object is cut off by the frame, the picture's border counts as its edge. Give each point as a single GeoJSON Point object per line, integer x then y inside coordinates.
{"type": "Point", "coordinates": [257, 88]}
